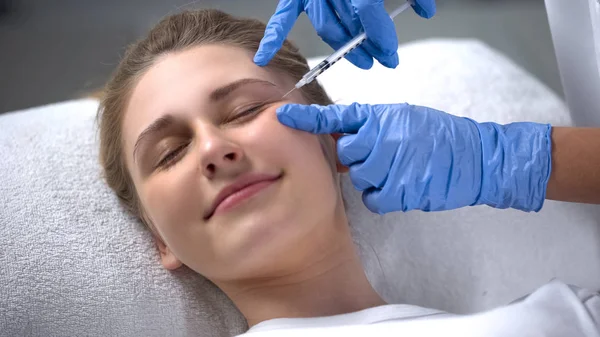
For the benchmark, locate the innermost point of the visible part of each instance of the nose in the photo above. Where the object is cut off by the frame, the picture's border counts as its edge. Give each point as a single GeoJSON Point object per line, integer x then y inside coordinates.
{"type": "Point", "coordinates": [219, 155]}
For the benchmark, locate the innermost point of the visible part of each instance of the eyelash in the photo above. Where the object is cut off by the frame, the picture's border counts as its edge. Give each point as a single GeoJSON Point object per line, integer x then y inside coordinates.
{"type": "Point", "coordinates": [246, 113]}
{"type": "Point", "coordinates": [169, 159]}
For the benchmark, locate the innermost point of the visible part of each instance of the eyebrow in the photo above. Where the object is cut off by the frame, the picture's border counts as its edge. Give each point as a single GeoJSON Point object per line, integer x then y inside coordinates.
{"type": "Point", "coordinates": [217, 95]}
{"type": "Point", "coordinates": [156, 126]}
{"type": "Point", "coordinates": [224, 91]}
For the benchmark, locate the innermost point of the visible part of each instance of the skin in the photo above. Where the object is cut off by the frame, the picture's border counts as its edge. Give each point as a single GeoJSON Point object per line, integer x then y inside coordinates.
{"type": "Point", "coordinates": [575, 173]}
{"type": "Point", "coordinates": [284, 252]}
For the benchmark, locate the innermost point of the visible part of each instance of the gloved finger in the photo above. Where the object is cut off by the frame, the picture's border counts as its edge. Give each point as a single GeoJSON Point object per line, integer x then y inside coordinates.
{"type": "Point", "coordinates": [350, 21]}
{"type": "Point", "coordinates": [278, 28]}
{"type": "Point", "coordinates": [375, 202]}
{"type": "Point", "coordinates": [353, 25]}
{"type": "Point", "coordinates": [379, 28]}
{"type": "Point", "coordinates": [386, 157]}
{"type": "Point", "coordinates": [328, 27]}
{"type": "Point", "coordinates": [348, 16]}
{"type": "Point", "coordinates": [324, 119]}
{"type": "Point", "coordinates": [372, 173]}
{"type": "Point", "coordinates": [425, 8]}
{"type": "Point", "coordinates": [354, 149]}
{"type": "Point", "coordinates": [359, 181]}
{"type": "Point", "coordinates": [409, 183]}
{"type": "Point", "coordinates": [389, 61]}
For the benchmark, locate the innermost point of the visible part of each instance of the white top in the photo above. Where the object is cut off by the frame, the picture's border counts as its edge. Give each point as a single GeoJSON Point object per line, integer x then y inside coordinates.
{"type": "Point", "coordinates": [555, 309]}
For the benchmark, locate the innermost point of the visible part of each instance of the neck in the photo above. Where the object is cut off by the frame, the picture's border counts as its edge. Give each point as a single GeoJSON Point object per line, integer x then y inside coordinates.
{"type": "Point", "coordinates": [328, 283]}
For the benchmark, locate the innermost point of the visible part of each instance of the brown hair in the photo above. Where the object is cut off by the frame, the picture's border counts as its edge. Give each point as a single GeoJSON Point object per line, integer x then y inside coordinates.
{"type": "Point", "coordinates": [177, 33]}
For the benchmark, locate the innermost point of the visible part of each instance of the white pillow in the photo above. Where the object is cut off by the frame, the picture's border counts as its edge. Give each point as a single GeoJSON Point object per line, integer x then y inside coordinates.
{"type": "Point", "coordinates": [74, 263]}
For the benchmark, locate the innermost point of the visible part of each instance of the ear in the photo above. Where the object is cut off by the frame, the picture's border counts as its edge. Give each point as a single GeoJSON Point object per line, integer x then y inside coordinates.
{"type": "Point", "coordinates": [167, 258]}
{"type": "Point", "coordinates": [340, 168]}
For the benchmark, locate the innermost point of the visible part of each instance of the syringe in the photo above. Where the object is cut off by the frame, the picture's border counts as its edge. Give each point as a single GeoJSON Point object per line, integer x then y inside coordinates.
{"type": "Point", "coordinates": [338, 54]}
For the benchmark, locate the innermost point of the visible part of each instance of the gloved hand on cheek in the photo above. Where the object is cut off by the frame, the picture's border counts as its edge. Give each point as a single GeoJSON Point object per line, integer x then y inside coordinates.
{"type": "Point", "coordinates": [406, 157]}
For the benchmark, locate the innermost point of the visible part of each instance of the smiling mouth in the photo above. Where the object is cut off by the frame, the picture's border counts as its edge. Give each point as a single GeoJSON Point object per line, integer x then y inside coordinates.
{"type": "Point", "coordinates": [240, 191]}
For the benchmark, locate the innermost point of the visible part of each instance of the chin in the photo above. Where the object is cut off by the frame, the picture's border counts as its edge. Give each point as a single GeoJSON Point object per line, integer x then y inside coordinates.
{"type": "Point", "coordinates": [265, 234]}
{"type": "Point", "coordinates": [266, 225]}
{"type": "Point", "coordinates": [261, 237]}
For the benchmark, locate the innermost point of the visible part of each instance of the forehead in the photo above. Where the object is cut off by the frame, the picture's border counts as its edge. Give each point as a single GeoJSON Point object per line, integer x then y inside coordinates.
{"type": "Point", "coordinates": [181, 82]}
{"type": "Point", "coordinates": [207, 66]}
{"type": "Point", "coordinates": [193, 74]}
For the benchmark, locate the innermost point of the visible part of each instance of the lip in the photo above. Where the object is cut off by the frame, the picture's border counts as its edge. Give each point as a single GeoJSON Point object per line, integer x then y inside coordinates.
{"type": "Point", "coordinates": [240, 190]}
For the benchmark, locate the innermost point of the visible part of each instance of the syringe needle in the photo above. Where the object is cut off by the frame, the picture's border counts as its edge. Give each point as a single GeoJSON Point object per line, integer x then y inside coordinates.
{"type": "Point", "coordinates": [289, 92]}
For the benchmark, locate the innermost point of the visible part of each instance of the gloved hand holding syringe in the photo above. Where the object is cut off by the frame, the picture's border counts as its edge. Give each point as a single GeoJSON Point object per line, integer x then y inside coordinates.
{"type": "Point", "coordinates": [341, 52]}
{"type": "Point", "coordinates": [337, 22]}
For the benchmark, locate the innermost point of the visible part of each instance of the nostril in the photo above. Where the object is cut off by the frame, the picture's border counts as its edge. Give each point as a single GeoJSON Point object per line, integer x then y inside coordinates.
{"type": "Point", "coordinates": [230, 156]}
{"type": "Point", "coordinates": [210, 168]}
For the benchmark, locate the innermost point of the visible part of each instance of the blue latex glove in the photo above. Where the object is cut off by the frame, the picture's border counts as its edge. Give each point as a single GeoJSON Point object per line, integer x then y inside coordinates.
{"type": "Point", "coordinates": [406, 157]}
{"type": "Point", "coordinates": [353, 16]}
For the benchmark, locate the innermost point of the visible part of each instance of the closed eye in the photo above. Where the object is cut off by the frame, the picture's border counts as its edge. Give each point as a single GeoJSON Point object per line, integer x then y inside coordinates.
{"type": "Point", "coordinates": [240, 117]}
{"type": "Point", "coordinates": [171, 157]}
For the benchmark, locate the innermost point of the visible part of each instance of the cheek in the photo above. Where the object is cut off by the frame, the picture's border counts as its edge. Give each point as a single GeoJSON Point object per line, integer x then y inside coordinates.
{"type": "Point", "coordinates": [279, 145]}
{"type": "Point", "coordinates": [309, 173]}
{"type": "Point", "coordinates": [172, 200]}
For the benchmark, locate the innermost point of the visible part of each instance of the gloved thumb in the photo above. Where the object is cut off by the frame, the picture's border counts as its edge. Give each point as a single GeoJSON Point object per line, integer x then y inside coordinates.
{"type": "Point", "coordinates": [425, 8]}
{"type": "Point", "coordinates": [324, 119]}
{"type": "Point", "coordinates": [277, 29]}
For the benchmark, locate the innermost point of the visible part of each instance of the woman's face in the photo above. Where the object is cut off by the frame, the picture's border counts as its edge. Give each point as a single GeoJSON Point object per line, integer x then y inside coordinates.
{"type": "Point", "coordinates": [230, 191]}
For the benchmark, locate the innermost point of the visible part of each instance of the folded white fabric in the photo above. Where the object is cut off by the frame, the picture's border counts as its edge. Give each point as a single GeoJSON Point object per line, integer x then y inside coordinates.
{"type": "Point", "coordinates": [74, 263]}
